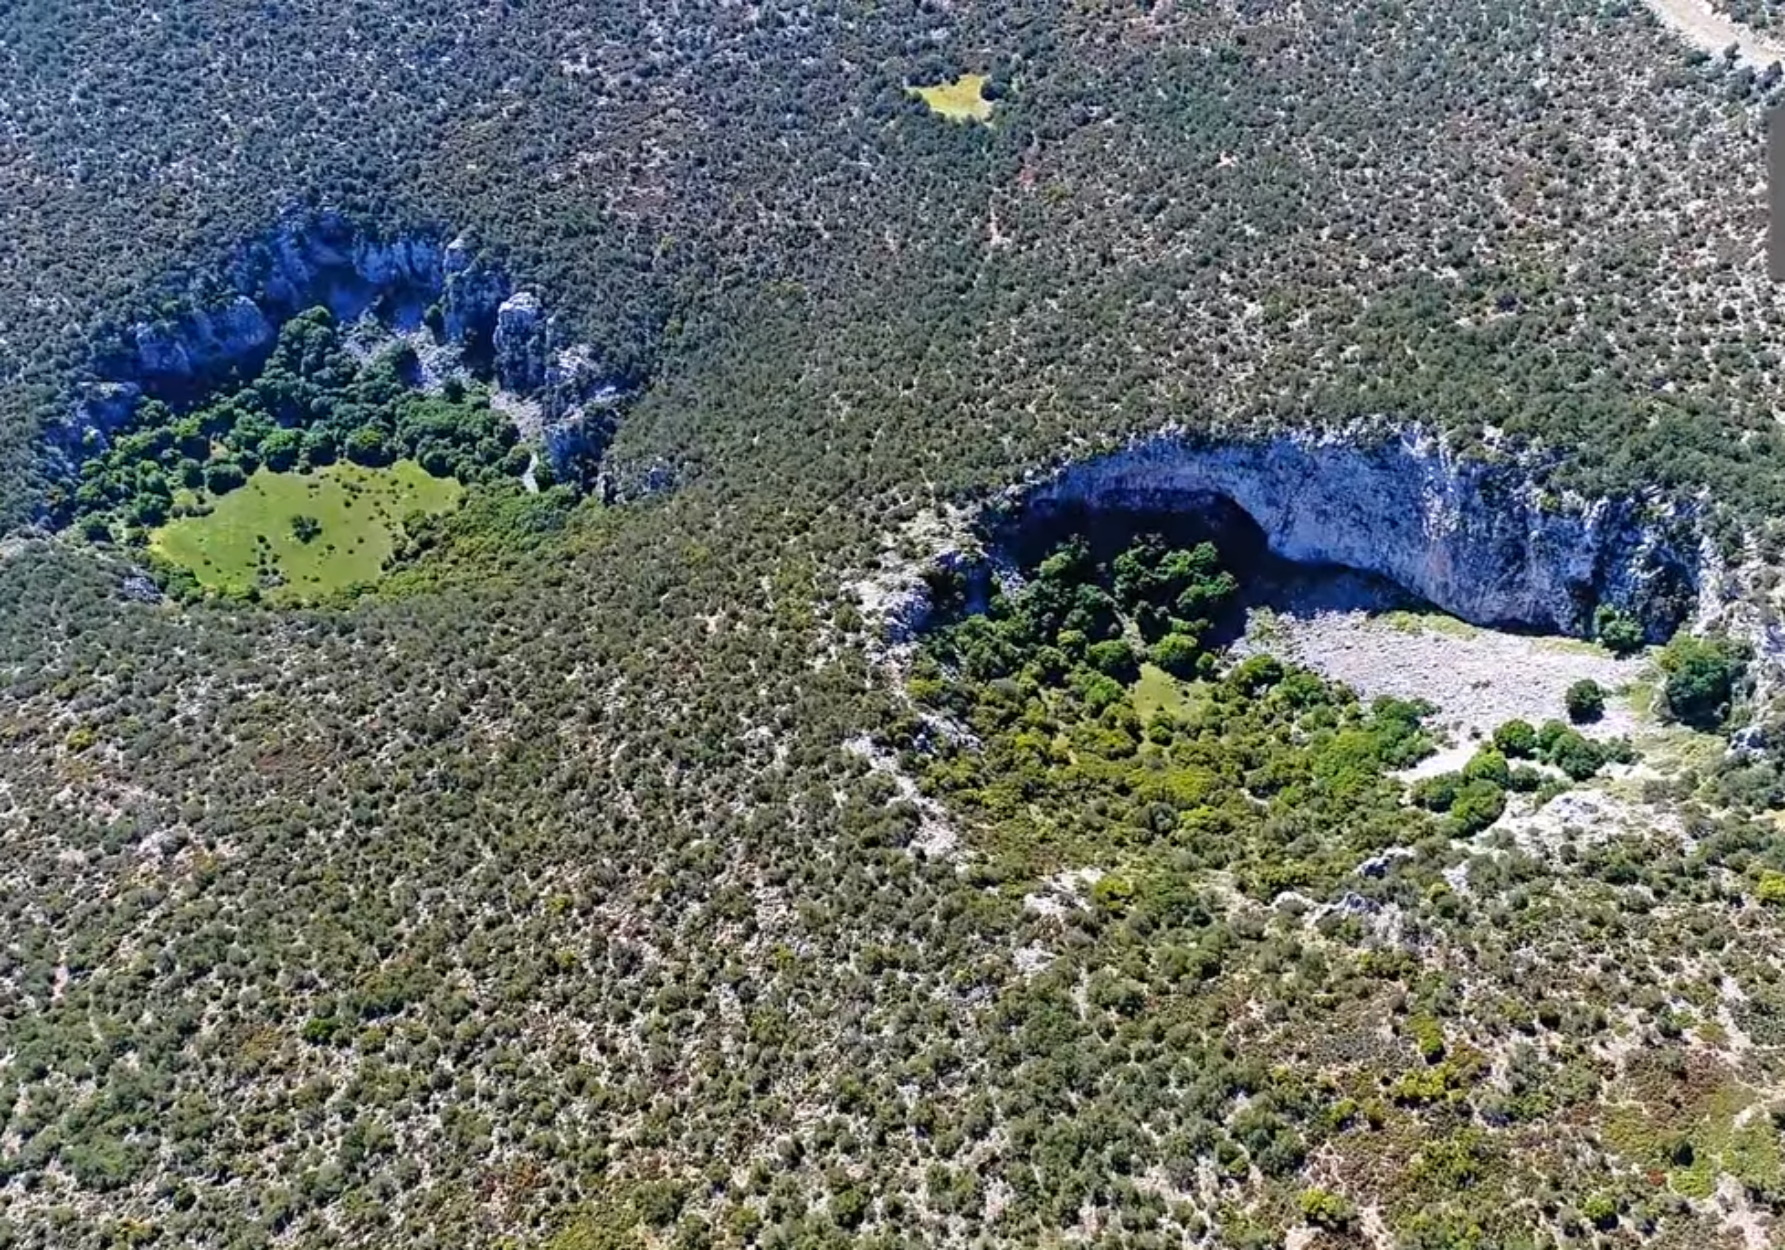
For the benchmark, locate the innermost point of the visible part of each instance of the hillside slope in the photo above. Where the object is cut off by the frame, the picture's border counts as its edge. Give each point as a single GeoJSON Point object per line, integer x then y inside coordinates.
{"type": "Point", "coordinates": [590, 880]}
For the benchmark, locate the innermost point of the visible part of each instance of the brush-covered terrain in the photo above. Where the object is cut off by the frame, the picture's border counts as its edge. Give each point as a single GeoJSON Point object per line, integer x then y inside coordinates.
{"type": "Point", "coordinates": [399, 850]}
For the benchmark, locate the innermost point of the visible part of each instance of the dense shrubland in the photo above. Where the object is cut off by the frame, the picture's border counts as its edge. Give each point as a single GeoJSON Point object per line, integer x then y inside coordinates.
{"type": "Point", "coordinates": [651, 181]}
{"type": "Point", "coordinates": [532, 900]}
{"type": "Point", "coordinates": [436, 937]}
{"type": "Point", "coordinates": [1093, 713]}
{"type": "Point", "coordinates": [1064, 749]}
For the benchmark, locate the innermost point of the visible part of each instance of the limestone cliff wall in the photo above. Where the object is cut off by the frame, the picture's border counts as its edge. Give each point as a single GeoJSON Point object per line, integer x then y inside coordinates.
{"type": "Point", "coordinates": [310, 259]}
{"type": "Point", "coordinates": [1481, 540]}
{"type": "Point", "coordinates": [323, 258]}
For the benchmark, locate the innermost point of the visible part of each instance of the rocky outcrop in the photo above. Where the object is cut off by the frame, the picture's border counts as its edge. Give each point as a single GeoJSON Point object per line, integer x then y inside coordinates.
{"type": "Point", "coordinates": [310, 259]}
{"type": "Point", "coordinates": [1480, 539]}
{"type": "Point", "coordinates": [520, 342]}
{"type": "Point", "coordinates": [413, 283]}
{"type": "Point", "coordinates": [202, 340]}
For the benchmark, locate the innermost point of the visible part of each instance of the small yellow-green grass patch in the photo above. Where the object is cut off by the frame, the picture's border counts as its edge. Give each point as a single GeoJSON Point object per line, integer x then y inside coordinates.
{"type": "Point", "coordinates": [959, 101]}
{"type": "Point", "coordinates": [1673, 749]}
{"type": "Point", "coordinates": [1158, 691]}
{"type": "Point", "coordinates": [1422, 621]}
{"type": "Point", "coordinates": [1572, 646]}
{"type": "Point", "coordinates": [248, 533]}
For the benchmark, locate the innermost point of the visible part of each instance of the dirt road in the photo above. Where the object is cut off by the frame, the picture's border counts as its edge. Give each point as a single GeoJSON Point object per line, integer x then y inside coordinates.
{"type": "Point", "coordinates": [1703, 27]}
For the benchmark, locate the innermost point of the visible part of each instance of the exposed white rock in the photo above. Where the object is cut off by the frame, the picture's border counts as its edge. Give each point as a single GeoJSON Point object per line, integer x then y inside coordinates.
{"type": "Point", "coordinates": [1478, 678]}
{"type": "Point", "coordinates": [1480, 540]}
{"type": "Point", "coordinates": [518, 342]}
{"type": "Point", "coordinates": [322, 257]}
{"type": "Point", "coordinates": [1589, 816]}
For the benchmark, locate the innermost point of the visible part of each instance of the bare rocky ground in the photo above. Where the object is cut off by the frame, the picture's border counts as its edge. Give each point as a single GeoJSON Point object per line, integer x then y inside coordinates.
{"type": "Point", "coordinates": [1585, 816]}
{"type": "Point", "coordinates": [1706, 28]}
{"type": "Point", "coordinates": [1356, 631]}
{"type": "Point", "coordinates": [1353, 630]}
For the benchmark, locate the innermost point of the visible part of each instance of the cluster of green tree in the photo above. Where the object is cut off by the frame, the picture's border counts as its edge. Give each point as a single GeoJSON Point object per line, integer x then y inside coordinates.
{"type": "Point", "coordinates": [1475, 795]}
{"type": "Point", "coordinates": [1562, 747]}
{"type": "Point", "coordinates": [1703, 679]}
{"type": "Point", "coordinates": [1070, 750]}
{"type": "Point", "coordinates": [1618, 632]}
{"type": "Point", "coordinates": [1081, 620]}
{"type": "Point", "coordinates": [312, 403]}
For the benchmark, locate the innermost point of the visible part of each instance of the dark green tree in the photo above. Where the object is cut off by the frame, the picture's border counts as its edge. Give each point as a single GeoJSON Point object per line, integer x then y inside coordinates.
{"type": "Point", "coordinates": [1585, 701]}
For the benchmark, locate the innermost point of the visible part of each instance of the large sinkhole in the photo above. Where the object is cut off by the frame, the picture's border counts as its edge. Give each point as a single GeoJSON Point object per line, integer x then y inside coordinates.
{"type": "Point", "coordinates": [449, 300]}
{"type": "Point", "coordinates": [311, 417]}
{"type": "Point", "coordinates": [1401, 518]}
{"type": "Point", "coordinates": [1023, 541]}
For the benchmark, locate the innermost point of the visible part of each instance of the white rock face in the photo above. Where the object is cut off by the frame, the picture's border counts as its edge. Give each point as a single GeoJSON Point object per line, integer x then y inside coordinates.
{"type": "Point", "coordinates": [1476, 539]}
{"type": "Point", "coordinates": [318, 258]}
{"type": "Point", "coordinates": [323, 258]}
{"type": "Point", "coordinates": [234, 329]}
{"type": "Point", "coordinates": [520, 343]}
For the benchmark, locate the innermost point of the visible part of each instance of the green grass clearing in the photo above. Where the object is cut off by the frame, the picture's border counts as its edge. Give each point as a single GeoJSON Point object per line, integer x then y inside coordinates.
{"type": "Point", "coordinates": [959, 101]}
{"type": "Point", "coordinates": [247, 538]}
{"type": "Point", "coordinates": [1157, 689]}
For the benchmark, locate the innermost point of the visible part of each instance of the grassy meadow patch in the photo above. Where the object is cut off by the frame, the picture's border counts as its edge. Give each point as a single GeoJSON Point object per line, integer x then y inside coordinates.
{"type": "Point", "coordinates": [1156, 690]}
{"type": "Point", "coordinates": [302, 535]}
{"type": "Point", "coordinates": [1432, 621]}
{"type": "Point", "coordinates": [962, 100]}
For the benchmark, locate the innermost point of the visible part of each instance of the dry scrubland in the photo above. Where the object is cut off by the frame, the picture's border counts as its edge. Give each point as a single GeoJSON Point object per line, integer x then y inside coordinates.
{"type": "Point", "coordinates": [537, 899]}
